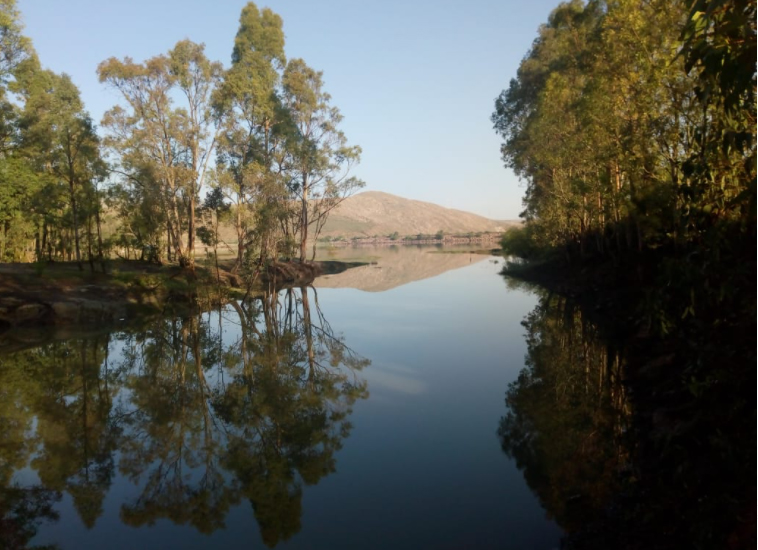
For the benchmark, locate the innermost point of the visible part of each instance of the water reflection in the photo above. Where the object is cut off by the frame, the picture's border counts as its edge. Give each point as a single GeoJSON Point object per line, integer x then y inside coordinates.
{"type": "Point", "coordinates": [394, 266]}
{"type": "Point", "coordinates": [626, 463]}
{"type": "Point", "coordinates": [567, 415]}
{"type": "Point", "coordinates": [249, 403]}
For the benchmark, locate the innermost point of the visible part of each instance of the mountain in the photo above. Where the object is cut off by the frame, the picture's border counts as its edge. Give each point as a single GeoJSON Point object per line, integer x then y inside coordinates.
{"type": "Point", "coordinates": [375, 213]}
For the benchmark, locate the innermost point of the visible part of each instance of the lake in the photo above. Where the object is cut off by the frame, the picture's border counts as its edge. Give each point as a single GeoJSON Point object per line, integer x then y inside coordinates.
{"type": "Point", "coordinates": [366, 411]}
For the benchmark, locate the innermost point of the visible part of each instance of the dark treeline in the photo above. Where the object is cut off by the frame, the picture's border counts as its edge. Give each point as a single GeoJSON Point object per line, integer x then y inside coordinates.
{"type": "Point", "coordinates": [633, 126]}
{"type": "Point", "coordinates": [189, 144]}
{"type": "Point", "coordinates": [246, 405]}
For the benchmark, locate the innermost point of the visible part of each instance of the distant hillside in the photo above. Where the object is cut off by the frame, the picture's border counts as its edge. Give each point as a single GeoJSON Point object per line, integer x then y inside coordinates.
{"type": "Point", "coordinates": [374, 213]}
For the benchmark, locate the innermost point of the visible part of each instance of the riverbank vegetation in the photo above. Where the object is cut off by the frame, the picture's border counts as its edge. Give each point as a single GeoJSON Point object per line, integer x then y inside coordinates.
{"type": "Point", "coordinates": [633, 127]}
{"type": "Point", "coordinates": [190, 143]}
{"type": "Point", "coordinates": [634, 130]}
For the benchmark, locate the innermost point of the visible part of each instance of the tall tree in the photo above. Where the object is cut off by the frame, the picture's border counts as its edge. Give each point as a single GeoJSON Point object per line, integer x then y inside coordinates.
{"type": "Point", "coordinates": [252, 113]}
{"type": "Point", "coordinates": [171, 144]}
{"type": "Point", "coordinates": [599, 122]}
{"type": "Point", "coordinates": [321, 159]}
{"type": "Point", "coordinates": [60, 135]}
{"type": "Point", "coordinates": [18, 180]}
{"type": "Point", "coordinates": [196, 77]}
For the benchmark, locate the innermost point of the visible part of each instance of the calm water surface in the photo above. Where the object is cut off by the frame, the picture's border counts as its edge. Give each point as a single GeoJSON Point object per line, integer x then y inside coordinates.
{"type": "Point", "coordinates": [328, 417]}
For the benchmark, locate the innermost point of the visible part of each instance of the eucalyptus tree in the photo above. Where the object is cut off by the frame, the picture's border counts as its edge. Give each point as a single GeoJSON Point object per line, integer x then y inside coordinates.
{"type": "Point", "coordinates": [719, 49]}
{"type": "Point", "coordinates": [171, 143]}
{"type": "Point", "coordinates": [15, 46]}
{"type": "Point", "coordinates": [18, 181]}
{"type": "Point", "coordinates": [214, 209]}
{"type": "Point", "coordinates": [143, 221]}
{"type": "Point", "coordinates": [19, 218]}
{"type": "Point", "coordinates": [599, 122]}
{"type": "Point", "coordinates": [197, 78]}
{"type": "Point", "coordinates": [320, 157]}
{"type": "Point", "coordinates": [17, 57]}
{"type": "Point", "coordinates": [540, 128]}
{"type": "Point", "coordinates": [60, 138]}
{"type": "Point", "coordinates": [247, 99]}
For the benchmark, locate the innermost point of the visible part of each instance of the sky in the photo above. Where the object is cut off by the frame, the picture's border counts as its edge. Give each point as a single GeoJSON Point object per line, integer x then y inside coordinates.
{"type": "Point", "coordinates": [415, 80]}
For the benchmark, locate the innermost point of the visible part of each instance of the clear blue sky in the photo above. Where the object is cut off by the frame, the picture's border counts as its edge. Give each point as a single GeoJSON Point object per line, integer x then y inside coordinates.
{"type": "Point", "coordinates": [415, 80]}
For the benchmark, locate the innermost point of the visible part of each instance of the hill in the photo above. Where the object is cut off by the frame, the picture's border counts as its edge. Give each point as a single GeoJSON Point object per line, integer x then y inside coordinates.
{"type": "Point", "coordinates": [375, 213]}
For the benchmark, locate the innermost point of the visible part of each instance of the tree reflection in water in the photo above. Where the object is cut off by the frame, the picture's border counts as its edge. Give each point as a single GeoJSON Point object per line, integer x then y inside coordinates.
{"type": "Point", "coordinates": [286, 407]}
{"type": "Point", "coordinates": [199, 423]}
{"type": "Point", "coordinates": [647, 462]}
{"type": "Point", "coordinates": [567, 415]}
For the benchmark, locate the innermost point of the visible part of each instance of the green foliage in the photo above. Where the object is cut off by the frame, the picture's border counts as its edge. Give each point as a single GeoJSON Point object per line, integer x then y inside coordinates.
{"type": "Point", "coordinates": [164, 135]}
{"type": "Point", "coordinates": [50, 161]}
{"type": "Point", "coordinates": [634, 125]}
{"type": "Point", "coordinates": [520, 241]}
{"type": "Point", "coordinates": [281, 162]}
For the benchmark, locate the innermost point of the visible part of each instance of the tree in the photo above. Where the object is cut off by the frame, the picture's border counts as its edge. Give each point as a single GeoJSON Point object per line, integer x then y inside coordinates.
{"type": "Point", "coordinates": [18, 181]}
{"type": "Point", "coordinates": [197, 78]}
{"type": "Point", "coordinates": [216, 209]}
{"type": "Point", "coordinates": [60, 138]}
{"type": "Point", "coordinates": [250, 110]}
{"type": "Point", "coordinates": [158, 143]}
{"type": "Point", "coordinates": [321, 158]}
{"type": "Point", "coordinates": [14, 46]}
{"type": "Point", "coordinates": [599, 123]}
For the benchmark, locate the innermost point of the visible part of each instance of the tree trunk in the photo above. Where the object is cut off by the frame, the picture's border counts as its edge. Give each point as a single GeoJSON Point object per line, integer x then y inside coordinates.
{"type": "Point", "coordinates": [168, 242]}
{"type": "Point", "coordinates": [304, 220]}
{"type": "Point", "coordinates": [99, 236]}
{"type": "Point", "coordinates": [190, 260]}
{"type": "Point", "coordinates": [240, 234]}
{"type": "Point", "coordinates": [76, 224]}
{"type": "Point", "coordinates": [90, 257]}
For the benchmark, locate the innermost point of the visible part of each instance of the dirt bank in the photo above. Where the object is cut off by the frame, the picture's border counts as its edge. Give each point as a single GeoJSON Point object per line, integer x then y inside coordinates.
{"type": "Point", "coordinates": [59, 294]}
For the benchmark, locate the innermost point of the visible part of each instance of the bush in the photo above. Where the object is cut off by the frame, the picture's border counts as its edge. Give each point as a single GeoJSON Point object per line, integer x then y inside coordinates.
{"type": "Point", "coordinates": [519, 241]}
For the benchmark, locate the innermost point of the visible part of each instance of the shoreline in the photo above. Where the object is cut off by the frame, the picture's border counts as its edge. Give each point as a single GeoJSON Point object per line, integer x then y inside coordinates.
{"type": "Point", "coordinates": [40, 296]}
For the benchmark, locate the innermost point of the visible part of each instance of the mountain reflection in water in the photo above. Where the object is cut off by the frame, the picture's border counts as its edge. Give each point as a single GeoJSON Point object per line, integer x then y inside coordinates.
{"type": "Point", "coordinates": [249, 403]}
{"type": "Point", "coordinates": [394, 266]}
